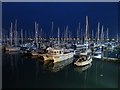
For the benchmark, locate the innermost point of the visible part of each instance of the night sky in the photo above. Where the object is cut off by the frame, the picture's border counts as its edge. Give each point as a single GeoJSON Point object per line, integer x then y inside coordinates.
{"type": "Point", "coordinates": [62, 14]}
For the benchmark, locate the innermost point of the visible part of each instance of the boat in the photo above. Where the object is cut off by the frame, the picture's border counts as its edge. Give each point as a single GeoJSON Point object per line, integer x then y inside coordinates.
{"type": "Point", "coordinates": [82, 69]}
{"type": "Point", "coordinates": [85, 55]}
{"type": "Point", "coordinates": [85, 59]}
{"type": "Point", "coordinates": [57, 54]}
{"type": "Point", "coordinates": [12, 47]}
{"type": "Point", "coordinates": [97, 55]}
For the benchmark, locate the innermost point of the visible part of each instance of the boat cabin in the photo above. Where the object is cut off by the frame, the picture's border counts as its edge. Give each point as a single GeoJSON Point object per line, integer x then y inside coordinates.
{"type": "Point", "coordinates": [84, 57]}
{"type": "Point", "coordinates": [55, 52]}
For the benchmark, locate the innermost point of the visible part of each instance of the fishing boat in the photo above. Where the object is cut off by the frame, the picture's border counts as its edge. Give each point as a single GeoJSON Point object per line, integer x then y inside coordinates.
{"type": "Point", "coordinates": [85, 59]}
{"type": "Point", "coordinates": [57, 54]}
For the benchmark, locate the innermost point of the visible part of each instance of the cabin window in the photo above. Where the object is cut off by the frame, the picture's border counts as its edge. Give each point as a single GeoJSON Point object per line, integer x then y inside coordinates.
{"type": "Point", "coordinates": [95, 54]}
{"type": "Point", "coordinates": [60, 52]}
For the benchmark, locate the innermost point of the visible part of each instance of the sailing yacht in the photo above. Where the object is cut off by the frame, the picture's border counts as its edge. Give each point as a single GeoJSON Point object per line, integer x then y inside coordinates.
{"type": "Point", "coordinates": [35, 50]}
{"type": "Point", "coordinates": [13, 47]}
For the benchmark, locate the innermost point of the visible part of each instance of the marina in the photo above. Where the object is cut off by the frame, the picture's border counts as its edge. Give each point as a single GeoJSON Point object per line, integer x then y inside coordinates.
{"type": "Point", "coordinates": [56, 55]}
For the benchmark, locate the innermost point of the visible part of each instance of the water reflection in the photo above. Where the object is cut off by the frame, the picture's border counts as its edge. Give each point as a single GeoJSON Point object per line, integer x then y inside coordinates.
{"type": "Point", "coordinates": [12, 63]}
{"type": "Point", "coordinates": [37, 69]}
{"type": "Point", "coordinates": [55, 67]}
{"type": "Point", "coordinates": [20, 71]}
{"type": "Point", "coordinates": [81, 69]}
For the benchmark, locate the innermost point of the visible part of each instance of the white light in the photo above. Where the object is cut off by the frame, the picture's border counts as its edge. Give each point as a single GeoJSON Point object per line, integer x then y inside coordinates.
{"type": "Point", "coordinates": [101, 75]}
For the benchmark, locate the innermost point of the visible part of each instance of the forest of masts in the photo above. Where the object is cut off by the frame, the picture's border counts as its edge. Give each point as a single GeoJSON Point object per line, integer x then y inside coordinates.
{"type": "Point", "coordinates": [38, 34]}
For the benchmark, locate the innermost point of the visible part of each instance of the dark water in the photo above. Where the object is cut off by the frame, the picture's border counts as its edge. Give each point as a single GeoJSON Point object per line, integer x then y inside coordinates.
{"type": "Point", "coordinates": [22, 72]}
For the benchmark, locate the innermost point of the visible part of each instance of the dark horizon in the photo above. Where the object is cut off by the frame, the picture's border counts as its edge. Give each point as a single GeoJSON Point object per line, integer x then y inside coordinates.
{"type": "Point", "coordinates": [62, 14]}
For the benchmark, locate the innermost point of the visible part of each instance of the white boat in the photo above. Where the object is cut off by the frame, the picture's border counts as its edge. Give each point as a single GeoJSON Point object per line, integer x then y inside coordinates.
{"type": "Point", "coordinates": [97, 55]}
{"type": "Point", "coordinates": [85, 59]}
{"type": "Point", "coordinates": [58, 55]}
{"type": "Point", "coordinates": [13, 49]}
{"type": "Point", "coordinates": [81, 69]}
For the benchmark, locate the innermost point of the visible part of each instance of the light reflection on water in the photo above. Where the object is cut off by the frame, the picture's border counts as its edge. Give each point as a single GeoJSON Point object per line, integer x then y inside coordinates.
{"type": "Point", "coordinates": [19, 71]}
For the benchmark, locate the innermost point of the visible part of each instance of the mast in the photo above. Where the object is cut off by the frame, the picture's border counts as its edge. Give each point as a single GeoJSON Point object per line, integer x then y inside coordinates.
{"type": "Point", "coordinates": [15, 32]}
{"type": "Point", "coordinates": [25, 33]}
{"type": "Point", "coordinates": [92, 34]}
{"type": "Point", "coordinates": [98, 31]}
{"type": "Point", "coordinates": [78, 31]}
{"type": "Point", "coordinates": [69, 36]}
{"type": "Point", "coordinates": [52, 33]}
{"type": "Point", "coordinates": [11, 33]}
{"type": "Point", "coordinates": [81, 36]}
{"type": "Point", "coordinates": [66, 33]}
{"type": "Point", "coordinates": [58, 36]}
{"type": "Point", "coordinates": [41, 34]}
{"type": "Point", "coordinates": [117, 37]}
{"type": "Point", "coordinates": [52, 30]}
{"type": "Point", "coordinates": [35, 31]}
{"type": "Point", "coordinates": [86, 35]}
{"type": "Point", "coordinates": [36, 34]}
{"type": "Point", "coordinates": [65, 36]}
{"type": "Point", "coordinates": [77, 34]}
{"type": "Point", "coordinates": [102, 34]}
{"type": "Point", "coordinates": [107, 35]}
{"type": "Point", "coordinates": [21, 36]}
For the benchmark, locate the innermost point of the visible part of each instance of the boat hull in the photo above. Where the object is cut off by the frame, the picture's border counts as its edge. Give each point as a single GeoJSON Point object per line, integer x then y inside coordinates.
{"type": "Point", "coordinates": [13, 49]}
{"type": "Point", "coordinates": [84, 63]}
{"type": "Point", "coordinates": [58, 58]}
